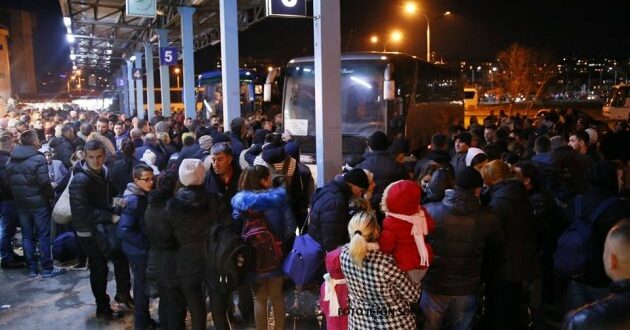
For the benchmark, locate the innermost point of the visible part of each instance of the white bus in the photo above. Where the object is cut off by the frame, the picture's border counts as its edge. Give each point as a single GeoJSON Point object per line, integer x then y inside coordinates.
{"type": "Point", "coordinates": [617, 106]}
{"type": "Point", "coordinates": [398, 94]}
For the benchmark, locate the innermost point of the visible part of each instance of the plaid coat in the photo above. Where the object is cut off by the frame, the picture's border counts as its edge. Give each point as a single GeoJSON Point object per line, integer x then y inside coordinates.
{"type": "Point", "coordinates": [380, 293]}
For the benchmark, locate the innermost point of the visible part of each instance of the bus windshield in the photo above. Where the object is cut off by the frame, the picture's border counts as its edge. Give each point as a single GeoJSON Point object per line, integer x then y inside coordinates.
{"type": "Point", "coordinates": [363, 109]}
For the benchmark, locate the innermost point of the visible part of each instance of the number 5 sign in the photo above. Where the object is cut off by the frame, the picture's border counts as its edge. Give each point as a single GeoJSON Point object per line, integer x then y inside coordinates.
{"type": "Point", "coordinates": [168, 55]}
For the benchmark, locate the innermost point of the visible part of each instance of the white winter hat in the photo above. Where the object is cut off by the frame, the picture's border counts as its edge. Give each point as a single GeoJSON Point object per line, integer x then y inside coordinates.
{"type": "Point", "coordinates": [472, 152]}
{"type": "Point", "coordinates": [148, 157]}
{"type": "Point", "coordinates": [192, 172]}
{"type": "Point", "coordinates": [592, 135]}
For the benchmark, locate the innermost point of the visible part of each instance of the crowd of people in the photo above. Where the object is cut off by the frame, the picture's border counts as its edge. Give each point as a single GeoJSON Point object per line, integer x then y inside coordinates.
{"type": "Point", "coordinates": [505, 224]}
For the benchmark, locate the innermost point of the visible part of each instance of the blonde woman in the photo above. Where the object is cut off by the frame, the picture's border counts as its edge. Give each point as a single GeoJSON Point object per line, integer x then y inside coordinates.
{"type": "Point", "coordinates": [381, 294]}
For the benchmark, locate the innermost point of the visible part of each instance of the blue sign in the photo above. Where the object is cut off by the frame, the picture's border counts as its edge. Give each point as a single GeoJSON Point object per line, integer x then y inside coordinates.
{"type": "Point", "coordinates": [169, 55]}
{"type": "Point", "coordinates": [120, 82]}
{"type": "Point", "coordinates": [294, 8]}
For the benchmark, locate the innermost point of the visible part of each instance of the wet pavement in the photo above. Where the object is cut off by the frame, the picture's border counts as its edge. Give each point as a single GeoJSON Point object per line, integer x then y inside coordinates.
{"type": "Point", "coordinates": [66, 302]}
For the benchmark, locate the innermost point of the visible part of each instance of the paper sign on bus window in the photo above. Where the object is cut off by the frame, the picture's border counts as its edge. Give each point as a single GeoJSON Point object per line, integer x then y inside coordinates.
{"type": "Point", "coordinates": [297, 127]}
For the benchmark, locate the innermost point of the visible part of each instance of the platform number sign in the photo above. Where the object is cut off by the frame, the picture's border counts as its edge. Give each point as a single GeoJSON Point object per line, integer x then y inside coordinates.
{"type": "Point", "coordinates": [169, 55]}
{"type": "Point", "coordinates": [137, 74]}
{"type": "Point", "coordinates": [289, 8]}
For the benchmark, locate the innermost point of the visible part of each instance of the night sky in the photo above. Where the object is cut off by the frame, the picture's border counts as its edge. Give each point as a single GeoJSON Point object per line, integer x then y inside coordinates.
{"type": "Point", "coordinates": [477, 30]}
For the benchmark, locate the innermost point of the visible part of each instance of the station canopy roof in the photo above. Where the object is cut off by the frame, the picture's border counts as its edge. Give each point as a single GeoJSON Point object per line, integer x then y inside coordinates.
{"type": "Point", "coordinates": [104, 36]}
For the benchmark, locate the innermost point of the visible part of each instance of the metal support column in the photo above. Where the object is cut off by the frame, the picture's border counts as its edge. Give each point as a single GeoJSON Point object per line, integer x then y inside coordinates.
{"type": "Point", "coordinates": [165, 83]}
{"type": "Point", "coordinates": [327, 42]}
{"type": "Point", "coordinates": [139, 88]}
{"type": "Point", "coordinates": [229, 61]}
{"type": "Point", "coordinates": [186, 14]}
{"type": "Point", "coordinates": [148, 59]}
{"type": "Point", "coordinates": [132, 96]}
{"type": "Point", "coordinates": [123, 90]}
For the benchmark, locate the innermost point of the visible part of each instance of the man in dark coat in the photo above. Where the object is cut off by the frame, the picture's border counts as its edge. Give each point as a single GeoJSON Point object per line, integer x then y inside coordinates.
{"type": "Point", "coordinates": [238, 128]}
{"type": "Point", "coordinates": [221, 185]}
{"type": "Point", "coordinates": [65, 145]}
{"type": "Point", "coordinates": [605, 178]}
{"type": "Point", "coordinates": [329, 214]}
{"type": "Point", "coordinates": [463, 231]}
{"type": "Point", "coordinates": [8, 218]}
{"type": "Point", "coordinates": [462, 144]}
{"type": "Point", "coordinates": [438, 153]}
{"type": "Point", "coordinates": [385, 169]}
{"type": "Point", "coordinates": [27, 173]}
{"type": "Point", "coordinates": [94, 219]}
{"type": "Point", "coordinates": [610, 312]}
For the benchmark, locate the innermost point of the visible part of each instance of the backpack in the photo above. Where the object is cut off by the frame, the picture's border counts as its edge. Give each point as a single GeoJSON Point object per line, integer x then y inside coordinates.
{"type": "Point", "coordinates": [576, 245]}
{"type": "Point", "coordinates": [266, 247]}
{"type": "Point", "coordinates": [281, 177]}
{"type": "Point", "coordinates": [223, 248]}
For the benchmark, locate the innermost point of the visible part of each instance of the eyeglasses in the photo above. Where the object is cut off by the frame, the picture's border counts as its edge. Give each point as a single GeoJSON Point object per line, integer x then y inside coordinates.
{"type": "Point", "coordinates": [147, 179]}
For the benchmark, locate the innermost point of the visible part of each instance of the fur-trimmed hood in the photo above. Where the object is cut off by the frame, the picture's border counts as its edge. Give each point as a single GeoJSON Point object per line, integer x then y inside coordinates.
{"type": "Point", "coordinates": [259, 200]}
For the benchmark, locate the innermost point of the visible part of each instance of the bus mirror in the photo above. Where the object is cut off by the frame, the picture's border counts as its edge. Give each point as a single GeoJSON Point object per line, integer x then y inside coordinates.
{"type": "Point", "coordinates": [389, 90]}
{"type": "Point", "coordinates": [267, 93]}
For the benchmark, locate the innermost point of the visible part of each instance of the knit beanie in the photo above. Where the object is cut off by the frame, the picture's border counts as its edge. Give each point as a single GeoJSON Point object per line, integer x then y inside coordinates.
{"type": "Point", "coordinates": [402, 197]}
{"type": "Point", "coordinates": [357, 177]}
{"type": "Point", "coordinates": [470, 155]}
{"type": "Point", "coordinates": [378, 141]}
{"type": "Point", "coordinates": [205, 142]}
{"type": "Point", "coordinates": [464, 137]}
{"type": "Point", "coordinates": [192, 172]}
{"type": "Point", "coordinates": [469, 178]}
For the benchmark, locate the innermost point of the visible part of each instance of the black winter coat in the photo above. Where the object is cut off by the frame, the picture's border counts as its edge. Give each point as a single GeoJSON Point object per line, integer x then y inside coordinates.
{"type": "Point", "coordinates": [188, 222]}
{"type": "Point", "coordinates": [329, 215]}
{"type": "Point", "coordinates": [122, 173]}
{"type": "Point", "coordinates": [163, 243]}
{"type": "Point", "coordinates": [509, 201]}
{"type": "Point", "coordinates": [27, 174]}
{"type": "Point", "coordinates": [608, 313]}
{"type": "Point", "coordinates": [64, 149]}
{"type": "Point", "coordinates": [90, 198]}
{"type": "Point", "coordinates": [220, 197]}
{"type": "Point", "coordinates": [5, 191]}
{"type": "Point", "coordinates": [595, 275]}
{"type": "Point", "coordinates": [463, 232]}
{"type": "Point", "coordinates": [439, 156]}
{"type": "Point", "coordinates": [385, 169]}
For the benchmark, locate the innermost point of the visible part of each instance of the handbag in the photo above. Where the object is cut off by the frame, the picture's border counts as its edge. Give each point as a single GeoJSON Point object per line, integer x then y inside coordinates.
{"type": "Point", "coordinates": [304, 264]}
{"type": "Point", "coordinates": [61, 213]}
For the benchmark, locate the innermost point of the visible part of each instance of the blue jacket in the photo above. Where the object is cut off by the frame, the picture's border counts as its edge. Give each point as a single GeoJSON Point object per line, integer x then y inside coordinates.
{"type": "Point", "coordinates": [135, 243]}
{"type": "Point", "coordinates": [275, 205]}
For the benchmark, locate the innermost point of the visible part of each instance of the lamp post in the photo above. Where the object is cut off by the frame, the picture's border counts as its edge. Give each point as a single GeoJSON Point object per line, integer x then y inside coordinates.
{"type": "Point", "coordinates": [411, 8]}
{"type": "Point", "coordinates": [177, 71]}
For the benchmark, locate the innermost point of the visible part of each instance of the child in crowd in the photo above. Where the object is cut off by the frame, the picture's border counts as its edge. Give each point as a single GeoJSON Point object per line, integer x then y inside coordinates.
{"type": "Point", "coordinates": [405, 227]}
{"type": "Point", "coordinates": [333, 294]}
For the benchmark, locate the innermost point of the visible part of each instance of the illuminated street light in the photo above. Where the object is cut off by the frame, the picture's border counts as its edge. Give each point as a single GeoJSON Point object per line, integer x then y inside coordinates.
{"type": "Point", "coordinates": [411, 8]}
{"type": "Point", "coordinates": [374, 39]}
{"type": "Point", "coordinates": [396, 36]}
{"type": "Point", "coordinates": [177, 71]}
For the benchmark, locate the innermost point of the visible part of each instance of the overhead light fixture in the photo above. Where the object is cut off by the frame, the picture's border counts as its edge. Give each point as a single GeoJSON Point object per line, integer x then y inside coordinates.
{"type": "Point", "coordinates": [74, 67]}
{"type": "Point", "coordinates": [132, 58]}
{"type": "Point", "coordinates": [70, 38]}
{"type": "Point", "coordinates": [67, 21]}
{"type": "Point", "coordinates": [73, 57]}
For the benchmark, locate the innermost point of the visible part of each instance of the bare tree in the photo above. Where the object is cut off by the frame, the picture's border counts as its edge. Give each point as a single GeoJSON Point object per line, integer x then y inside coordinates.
{"type": "Point", "coordinates": [523, 71]}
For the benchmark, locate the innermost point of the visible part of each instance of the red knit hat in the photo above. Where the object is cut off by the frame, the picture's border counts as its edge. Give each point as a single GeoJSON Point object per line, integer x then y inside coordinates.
{"type": "Point", "coordinates": [403, 197]}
